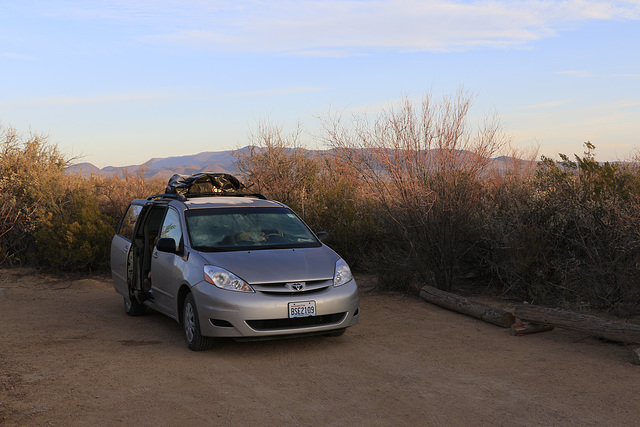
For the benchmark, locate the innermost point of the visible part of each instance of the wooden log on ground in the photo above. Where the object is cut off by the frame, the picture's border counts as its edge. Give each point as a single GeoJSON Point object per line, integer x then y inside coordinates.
{"type": "Point", "coordinates": [466, 306]}
{"type": "Point", "coordinates": [595, 326]}
{"type": "Point", "coordinates": [520, 328]}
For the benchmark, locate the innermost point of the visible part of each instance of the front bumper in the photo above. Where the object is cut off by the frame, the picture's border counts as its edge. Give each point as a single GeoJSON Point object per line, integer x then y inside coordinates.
{"type": "Point", "coordinates": [224, 313]}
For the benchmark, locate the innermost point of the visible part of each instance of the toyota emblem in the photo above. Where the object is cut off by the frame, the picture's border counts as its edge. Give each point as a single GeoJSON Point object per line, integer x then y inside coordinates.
{"type": "Point", "coordinates": [296, 286]}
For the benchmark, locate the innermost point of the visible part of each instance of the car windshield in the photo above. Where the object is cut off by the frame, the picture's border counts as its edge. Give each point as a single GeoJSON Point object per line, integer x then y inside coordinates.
{"type": "Point", "coordinates": [228, 229]}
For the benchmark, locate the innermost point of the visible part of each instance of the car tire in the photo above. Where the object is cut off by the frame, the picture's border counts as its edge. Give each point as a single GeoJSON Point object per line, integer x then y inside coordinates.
{"type": "Point", "coordinates": [191, 324]}
{"type": "Point", "coordinates": [133, 308]}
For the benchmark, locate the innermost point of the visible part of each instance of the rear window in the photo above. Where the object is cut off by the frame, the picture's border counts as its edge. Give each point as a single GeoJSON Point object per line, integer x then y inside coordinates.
{"type": "Point", "coordinates": [228, 229]}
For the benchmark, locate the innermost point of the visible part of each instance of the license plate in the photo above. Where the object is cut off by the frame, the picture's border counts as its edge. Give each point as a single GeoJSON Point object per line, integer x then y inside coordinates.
{"type": "Point", "coordinates": [302, 309]}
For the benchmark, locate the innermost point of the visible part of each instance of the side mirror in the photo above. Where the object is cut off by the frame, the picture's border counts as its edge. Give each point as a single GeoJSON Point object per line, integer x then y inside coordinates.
{"type": "Point", "coordinates": [322, 236]}
{"type": "Point", "coordinates": [167, 244]}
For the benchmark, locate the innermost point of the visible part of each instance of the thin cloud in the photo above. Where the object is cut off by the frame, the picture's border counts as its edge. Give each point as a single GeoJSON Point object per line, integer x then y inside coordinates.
{"type": "Point", "coordinates": [71, 100]}
{"type": "Point", "coordinates": [628, 76]}
{"type": "Point", "coordinates": [630, 104]}
{"type": "Point", "coordinates": [16, 56]}
{"type": "Point", "coordinates": [328, 53]}
{"type": "Point", "coordinates": [380, 107]}
{"type": "Point", "coordinates": [323, 28]}
{"type": "Point", "coordinates": [576, 73]}
{"type": "Point", "coordinates": [307, 27]}
{"type": "Point", "coordinates": [545, 105]}
{"type": "Point", "coordinates": [276, 92]}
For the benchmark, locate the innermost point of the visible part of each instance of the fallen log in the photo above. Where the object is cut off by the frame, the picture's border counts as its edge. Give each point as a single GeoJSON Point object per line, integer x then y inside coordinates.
{"type": "Point", "coordinates": [612, 330]}
{"type": "Point", "coordinates": [466, 306]}
{"type": "Point", "coordinates": [520, 328]}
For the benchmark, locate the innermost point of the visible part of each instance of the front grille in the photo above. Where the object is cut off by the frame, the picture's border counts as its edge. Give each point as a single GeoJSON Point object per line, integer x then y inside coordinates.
{"type": "Point", "coordinates": [298, 322]}
{"type": "Point", "coordinates": [285, 288]}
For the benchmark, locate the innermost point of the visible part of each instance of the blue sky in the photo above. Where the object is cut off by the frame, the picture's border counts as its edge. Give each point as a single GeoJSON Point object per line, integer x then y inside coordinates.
{"type": "Point", "coordinates": [121, 81]}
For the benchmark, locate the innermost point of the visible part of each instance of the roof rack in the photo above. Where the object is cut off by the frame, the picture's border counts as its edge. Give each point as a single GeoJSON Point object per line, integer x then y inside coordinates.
{"type": "Point", "coordinates": [184, 197]}
{"type": "Point", "coordinates": [180, 197]}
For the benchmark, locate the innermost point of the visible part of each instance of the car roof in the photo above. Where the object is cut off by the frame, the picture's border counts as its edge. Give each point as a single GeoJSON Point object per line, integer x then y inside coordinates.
{"type": "Point", "coordinates": [229, 202]}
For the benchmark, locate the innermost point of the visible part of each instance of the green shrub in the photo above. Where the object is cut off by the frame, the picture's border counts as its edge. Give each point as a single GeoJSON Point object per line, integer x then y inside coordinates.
{"type": "Point", "coordinates": [77, 238]}
{"type": "Point", "coordinates": [571, 237]}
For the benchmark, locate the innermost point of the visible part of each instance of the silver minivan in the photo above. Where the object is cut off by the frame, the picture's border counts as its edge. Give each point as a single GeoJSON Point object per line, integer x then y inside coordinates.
{"type": "Point", "coordinates": [225, 263]}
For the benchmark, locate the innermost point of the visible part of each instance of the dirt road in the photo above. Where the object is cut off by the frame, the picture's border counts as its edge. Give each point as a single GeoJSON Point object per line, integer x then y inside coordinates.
{"type": "Point", "coordinates": [70, 356]}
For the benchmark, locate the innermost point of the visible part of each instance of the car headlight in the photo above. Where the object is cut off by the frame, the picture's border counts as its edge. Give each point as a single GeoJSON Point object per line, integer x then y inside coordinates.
{"type": "Point", "coordinates": [343, 273]}
{"type": "Point", "coordinates": [224, 279]}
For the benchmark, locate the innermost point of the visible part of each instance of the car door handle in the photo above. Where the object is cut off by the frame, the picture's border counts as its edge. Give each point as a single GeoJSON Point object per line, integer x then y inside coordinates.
{"type": "Point", "coordinates": [126, 249]}
{"type": "Point", "coordinates": [155, 253]}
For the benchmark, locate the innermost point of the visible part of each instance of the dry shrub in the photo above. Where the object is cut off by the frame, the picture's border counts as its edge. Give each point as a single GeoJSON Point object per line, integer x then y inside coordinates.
{"type": "Point", "coordinates": [570, 235]}
{"type": "Point", "coordinates": [75, 235]}
{"type": "Point", "coordinates": [114, 193]}
{"type": "Point", "coordinates": [48, 218]}
{"type": "Point", "coordinates": [30, 185]}
{"type": "Point", "coordinates": [316, 185]}
{"type": "Point", "coordinates": [276, 165]}
{"type": "Point", "coordinates": [16, 219]}
{"type": "Point", "coordinates": [337, 205]}
{"type": "Point", "coordinates": [424, 169]}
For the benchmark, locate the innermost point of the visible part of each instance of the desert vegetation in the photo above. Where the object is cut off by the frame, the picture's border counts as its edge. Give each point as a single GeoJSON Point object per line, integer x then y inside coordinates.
{"type": "Point", "coordinates": [54, 220]}
{"type": "Point", "coordinates": [415, 195]}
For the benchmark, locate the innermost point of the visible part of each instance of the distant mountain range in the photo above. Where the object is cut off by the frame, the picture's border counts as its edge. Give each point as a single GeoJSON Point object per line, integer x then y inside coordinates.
{"type": "Point", "coordinates": [208, 161]}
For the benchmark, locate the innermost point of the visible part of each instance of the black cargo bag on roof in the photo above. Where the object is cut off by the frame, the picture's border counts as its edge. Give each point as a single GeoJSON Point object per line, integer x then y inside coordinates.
{"type": "Point", "coordinates": [203, 183]}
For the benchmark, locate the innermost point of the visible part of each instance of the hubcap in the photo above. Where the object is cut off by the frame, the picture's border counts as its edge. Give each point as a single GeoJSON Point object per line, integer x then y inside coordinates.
{"type": "Point", "coordinates": [189, 322]}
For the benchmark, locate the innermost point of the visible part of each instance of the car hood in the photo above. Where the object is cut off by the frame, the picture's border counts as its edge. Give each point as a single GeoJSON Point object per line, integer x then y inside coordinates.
{"type": "Point", "coordinates": [277, 265]}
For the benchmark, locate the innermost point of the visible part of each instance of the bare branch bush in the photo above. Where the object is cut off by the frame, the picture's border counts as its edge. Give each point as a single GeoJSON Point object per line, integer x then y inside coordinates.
{"type": "Point", "coordinates": [337, 204]}
{"type": "Point", "coordinates": [321, 188]}
{"type": "Point", "coordinates": [277, 165]}
{"type": "Point", "coordinates": [15, 220]}
{"type": "Point", "coordinates": [424, 168]}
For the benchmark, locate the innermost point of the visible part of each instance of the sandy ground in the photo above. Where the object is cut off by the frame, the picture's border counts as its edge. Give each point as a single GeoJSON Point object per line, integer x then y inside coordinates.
{"type": "Point", "coordinates": [70, 356]}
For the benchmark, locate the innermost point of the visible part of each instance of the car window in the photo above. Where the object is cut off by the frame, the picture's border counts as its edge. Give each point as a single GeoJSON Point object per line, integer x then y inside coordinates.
{"type": "Point", "coordinates": [129, 221]}
{"type": "Point", "coordinates": [171, 227]}
{"type": "Point", "coordinates": [223, 229]}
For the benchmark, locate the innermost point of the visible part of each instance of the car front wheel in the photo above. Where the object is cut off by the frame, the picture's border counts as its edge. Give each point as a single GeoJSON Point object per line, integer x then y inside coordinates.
{"type": "Point", "coordinates": [191, 325]}
{"type": "Point", "coordinates": [133, 308]}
